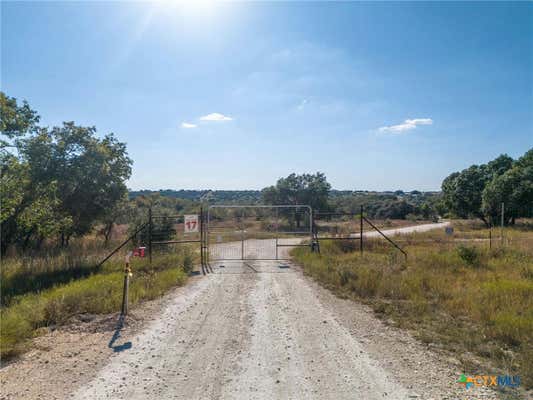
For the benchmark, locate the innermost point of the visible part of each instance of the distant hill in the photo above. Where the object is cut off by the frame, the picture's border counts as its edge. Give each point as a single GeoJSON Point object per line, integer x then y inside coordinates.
{"type": "Point", "coordinates": [387, 204]}
{"type": "Point", "coordinates": [214, 196]}
{"type": "Point", "coordinates": [254, 196]}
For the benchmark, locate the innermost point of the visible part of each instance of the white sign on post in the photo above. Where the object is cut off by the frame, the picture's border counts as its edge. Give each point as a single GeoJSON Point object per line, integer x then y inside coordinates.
{"type": "Point", "coordinates": [190, 223]}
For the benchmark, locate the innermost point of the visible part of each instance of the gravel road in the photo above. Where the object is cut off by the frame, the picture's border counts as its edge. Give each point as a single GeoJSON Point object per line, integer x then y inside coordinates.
{"type": "Point", "coordinates": [404, 229]}
{"type": "Point", "coordinates": [250, 330]}
{"type": "Point", "coordinates": [263, 330]}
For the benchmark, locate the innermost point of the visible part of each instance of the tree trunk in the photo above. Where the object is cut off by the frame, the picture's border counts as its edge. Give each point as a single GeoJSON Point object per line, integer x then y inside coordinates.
{"type": "Point", "coordinates": [27, 240]}
{"type": "Point", "coordinates": [40, 241]}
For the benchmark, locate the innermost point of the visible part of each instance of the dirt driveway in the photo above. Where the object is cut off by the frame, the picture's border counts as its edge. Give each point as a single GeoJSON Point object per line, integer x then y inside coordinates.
{"type": "Point", "coordinates": [250, 330]}
{"type": "Point", "coordinates": [262, 330]}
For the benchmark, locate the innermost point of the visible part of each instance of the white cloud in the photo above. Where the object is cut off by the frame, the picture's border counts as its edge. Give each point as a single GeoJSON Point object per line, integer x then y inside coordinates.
{"type": "Point", "coordinates": [187, 125]}
{"type": "Point", "coordinates": [407, 125]}
{"type": "Point", "coordinates": [215, 117]}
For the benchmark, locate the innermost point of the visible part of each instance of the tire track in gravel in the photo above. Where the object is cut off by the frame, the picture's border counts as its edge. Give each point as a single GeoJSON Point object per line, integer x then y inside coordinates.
{"type": "Point", "coordinates": [270, 334]}
{"type": "Point", "coordinates": [182, 355]}
{"type": "Point", "coordinates": [298, 350]}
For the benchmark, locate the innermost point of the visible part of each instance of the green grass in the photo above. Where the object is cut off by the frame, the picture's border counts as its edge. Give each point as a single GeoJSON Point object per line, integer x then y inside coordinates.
{"type": "Point", "coordinates": [466, 297]}
{"type": "Point", "coordinates": [99, 291]}
{"type": "Point", "coordinates": [29, 275]}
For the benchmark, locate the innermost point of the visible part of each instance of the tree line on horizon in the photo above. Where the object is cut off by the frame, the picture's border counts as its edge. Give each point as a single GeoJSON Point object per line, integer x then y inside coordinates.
{"type": "Point", "coordinates": [64, 181]}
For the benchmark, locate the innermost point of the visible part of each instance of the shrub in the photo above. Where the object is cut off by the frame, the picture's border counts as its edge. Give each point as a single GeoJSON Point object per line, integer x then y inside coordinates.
{"type": "Point", "coordinates": [470, 255]}
{"type": "Point", "coordinates": [527, 273]}
{"type": "Point", "coordinates": [188, 263]}
{"type": "Point", "coordinates": [348, 246]}
{"type": "Point", "coordinates": [346, 275]}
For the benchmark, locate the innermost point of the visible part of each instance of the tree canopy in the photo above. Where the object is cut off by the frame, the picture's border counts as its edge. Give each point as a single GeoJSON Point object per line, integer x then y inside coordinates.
{"type": "Point", "coordinates": [305, 189]}
{"type": "Point", "coordinates": [479, 191]}
{"type": "Point", "coordinates": [57, 181]}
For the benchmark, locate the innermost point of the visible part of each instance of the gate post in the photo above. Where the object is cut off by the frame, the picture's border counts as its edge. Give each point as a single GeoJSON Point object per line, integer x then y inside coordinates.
{"type": "Point", "coordinates": [277, 230]}
{"type": "Point", "coordinates": [242, 234]}
{"type": "Point", "coordinates": [202, 236]}
{"type": "Point", "coordinates": [361, 231]}
{"type": "Point", "coordinates": [207, 257]}
{"type": "Point", "coordinates": [150, 228]}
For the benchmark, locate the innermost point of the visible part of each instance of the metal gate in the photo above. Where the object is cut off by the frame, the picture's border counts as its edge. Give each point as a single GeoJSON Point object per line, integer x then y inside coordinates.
{"type": "Point", "coordinates": [257, 232]}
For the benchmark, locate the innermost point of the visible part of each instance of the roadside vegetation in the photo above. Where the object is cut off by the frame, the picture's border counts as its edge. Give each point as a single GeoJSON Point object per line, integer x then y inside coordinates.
{"type": "Point", "coordinates": [64, 207]}
{"type": "Point", "coordinates": [31, 302]}
{"type": "Point", "coordinates": [452, 292]}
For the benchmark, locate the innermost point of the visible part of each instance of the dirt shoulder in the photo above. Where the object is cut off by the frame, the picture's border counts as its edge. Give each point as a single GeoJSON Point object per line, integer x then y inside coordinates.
{"type": "Point", "coordinates": [63, 359]}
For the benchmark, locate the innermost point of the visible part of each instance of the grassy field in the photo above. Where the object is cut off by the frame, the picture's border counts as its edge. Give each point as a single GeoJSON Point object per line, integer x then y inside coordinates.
{"type": "Point", "coordinates": [44, 291]}
{"type": "Point", "coordinates": [454, 292]}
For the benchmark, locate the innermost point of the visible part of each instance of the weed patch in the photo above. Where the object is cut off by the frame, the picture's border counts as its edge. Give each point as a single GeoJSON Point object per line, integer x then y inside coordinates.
{"type": "Point", "coordinates": [466, 298]}
{"type": "Point", "coordinates": [98, 293]}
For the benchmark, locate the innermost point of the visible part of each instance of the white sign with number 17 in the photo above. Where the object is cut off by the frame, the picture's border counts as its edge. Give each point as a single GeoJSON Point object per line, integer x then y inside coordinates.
{"type": "Point", "coordinates": [190, 223]}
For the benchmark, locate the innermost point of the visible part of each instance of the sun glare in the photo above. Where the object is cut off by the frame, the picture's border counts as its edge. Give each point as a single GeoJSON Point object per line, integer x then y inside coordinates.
{"type": "Point", "coordinates": [200, 7]}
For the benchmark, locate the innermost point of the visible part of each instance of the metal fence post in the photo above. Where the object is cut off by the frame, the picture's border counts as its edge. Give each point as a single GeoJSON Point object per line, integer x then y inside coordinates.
{"type": "Point", "coordinates": [242, 234]}
{"type": "Point", "coordinates": [277, 231]}
{"type": "Point", "coordinates": [150, 226]}
{"type": "Point", "coordinates": [312, 230]}
{"type": "Point", "coordinates": [361, 231]}
{"type": "Point", "coordinates": [202, 236]}
{"type": "Point", "coordinates": [125, 292]}
{"type": "Point", "coordinates": [207, 255]}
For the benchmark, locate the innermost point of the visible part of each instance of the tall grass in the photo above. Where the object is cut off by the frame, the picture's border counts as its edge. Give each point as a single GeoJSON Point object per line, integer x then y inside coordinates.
{"type": "Point", "coordinates": [30, 275]}
{"type": "Point", "coordinates": [49, 291]}
{"type": "Point", "coordinates": [466, 297]}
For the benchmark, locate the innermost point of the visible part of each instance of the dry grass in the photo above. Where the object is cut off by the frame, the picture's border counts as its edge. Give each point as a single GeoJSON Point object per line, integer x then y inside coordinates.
{"type": "Point", "coordinates": [45, 291]}
{"type": "Point", "coordinates": [462, 296]}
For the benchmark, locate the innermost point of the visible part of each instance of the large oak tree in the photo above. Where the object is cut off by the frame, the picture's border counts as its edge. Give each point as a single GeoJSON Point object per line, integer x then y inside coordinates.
{"type": "Point", "coordinates": [57, 181]}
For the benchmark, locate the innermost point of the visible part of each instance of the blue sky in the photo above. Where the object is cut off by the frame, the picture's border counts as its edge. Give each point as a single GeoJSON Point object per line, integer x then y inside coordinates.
{"type": "Point", "coordinates": [379, 96]}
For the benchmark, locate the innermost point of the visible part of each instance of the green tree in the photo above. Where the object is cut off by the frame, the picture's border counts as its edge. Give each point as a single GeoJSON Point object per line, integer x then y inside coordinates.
{"type": "Point", "coordinates": [463, 191]}
{"type": "Point", "coordinates": [478, 191]}
{"type": "Point", "coordinates": [305, 189]}
{"type": "Point", "coordinates": [499, 165]}
{"type": "Point", "coordinates": [16, 191]}
{"type": "Point", "coordinates": [514, 188]}
{"type": "Point", "coordinates": [57, 181]}
{"type": "Point", "coordinates": [122, 212]}
{"type": "Point", "coordinates": [15, 120]}
{"type": "Point", "coordinates": [89, 172]}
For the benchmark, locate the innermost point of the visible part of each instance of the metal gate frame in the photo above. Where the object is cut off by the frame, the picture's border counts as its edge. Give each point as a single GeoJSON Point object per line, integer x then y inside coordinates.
{"type": "Point", "coordinates": [276, 238]}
